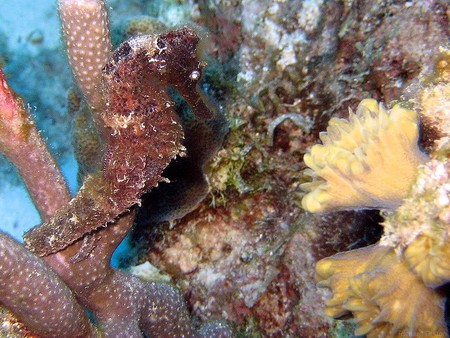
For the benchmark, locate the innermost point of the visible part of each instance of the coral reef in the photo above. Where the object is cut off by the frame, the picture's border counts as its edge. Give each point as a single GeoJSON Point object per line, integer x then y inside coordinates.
{"type": "Point", "coordinates": [142, 135]}
{"type": "Point", "coordinates": [314, 59]}
{"type": "Point", "coordinates": [281, 70]}
{"type": "Point", "coordinates": [370, 283]}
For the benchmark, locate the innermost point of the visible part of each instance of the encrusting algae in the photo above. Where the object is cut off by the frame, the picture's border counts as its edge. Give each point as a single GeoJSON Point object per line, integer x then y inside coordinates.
{"type": "Point", "coordinates": [374, 161]}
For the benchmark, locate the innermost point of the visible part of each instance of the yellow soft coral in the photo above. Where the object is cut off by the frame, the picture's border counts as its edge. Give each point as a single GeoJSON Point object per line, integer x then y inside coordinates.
{"type": "Point", "coordinates": [368, 161]}
{"type": "Point", "coordinates": [385, 298]}
{"type": "Point", "coordinates": [373, 161]}
{"type": "Point", "coordinates": [429, 258]}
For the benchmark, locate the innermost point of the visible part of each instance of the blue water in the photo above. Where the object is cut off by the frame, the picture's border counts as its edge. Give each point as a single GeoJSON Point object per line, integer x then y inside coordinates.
{"type": "Point", "coordinates": [29, 33]}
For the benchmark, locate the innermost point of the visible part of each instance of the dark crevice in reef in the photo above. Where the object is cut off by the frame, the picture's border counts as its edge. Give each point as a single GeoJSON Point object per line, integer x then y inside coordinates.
{"type": "Point", "coordinates": [187, 185]}
{"type": "Point", "coordinates": [347, 230]}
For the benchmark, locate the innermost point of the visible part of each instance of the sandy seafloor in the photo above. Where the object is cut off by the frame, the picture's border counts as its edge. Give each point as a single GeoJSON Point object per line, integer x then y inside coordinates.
{"type": "Point", "coordinates": [20, 21]}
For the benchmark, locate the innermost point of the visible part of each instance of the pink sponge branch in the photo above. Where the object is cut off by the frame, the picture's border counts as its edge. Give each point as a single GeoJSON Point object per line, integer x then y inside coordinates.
{"type": "Point", "coordinates": [10, 107]}
{"type": "Point", "coordinates": [86, 31]}
{"type": "Point", "coordinates": [21, 143]}
{"type": "Point", "coordinates": [33, 291]}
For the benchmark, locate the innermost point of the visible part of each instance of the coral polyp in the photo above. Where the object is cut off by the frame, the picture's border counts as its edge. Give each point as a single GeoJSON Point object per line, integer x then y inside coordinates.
{"type": "Point", "coordinates": [368, 161]}
{"type": "Point", "coordinates": [429, 259]}
{"type": "Point", "coordinates": [363, 284]}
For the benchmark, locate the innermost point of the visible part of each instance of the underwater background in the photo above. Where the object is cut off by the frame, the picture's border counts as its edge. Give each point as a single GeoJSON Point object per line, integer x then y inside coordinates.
{"type": "Point", "coordinates": [278, 71]}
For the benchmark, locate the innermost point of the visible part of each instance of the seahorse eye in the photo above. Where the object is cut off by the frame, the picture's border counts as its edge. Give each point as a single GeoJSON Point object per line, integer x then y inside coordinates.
{"type": "Point", "coordinates": [195, 75]}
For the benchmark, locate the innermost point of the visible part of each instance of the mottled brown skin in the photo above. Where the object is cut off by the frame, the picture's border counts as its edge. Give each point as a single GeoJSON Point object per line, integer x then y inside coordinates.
{"type": "Point", "coordinates": [186, 69]}
{"type": "Point", "coordinates": [141, 130]}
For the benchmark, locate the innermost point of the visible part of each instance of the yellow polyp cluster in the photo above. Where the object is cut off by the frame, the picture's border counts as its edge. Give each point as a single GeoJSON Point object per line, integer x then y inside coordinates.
{"type": "Point", "coordinates": [368, 161]}
{"type": "Point", "coordinates": [429, 260]}
{"type": "Point", "coordinates": [361, 283]}
{"type": "Point", "coordinates": [335, 273]}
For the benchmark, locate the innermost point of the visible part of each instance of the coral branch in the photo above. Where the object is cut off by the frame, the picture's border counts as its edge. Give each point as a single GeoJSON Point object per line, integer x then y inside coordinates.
{"type": "Point", "coordinates": [122, 304]}
{"type": "Point", "coordinates": [125, 305]}
{"type": "Point", "coordinates": [21, 143]}
{"type": "Point", "coordinates": [28, 286]}
{"type": "Point", "coordinates": [156, 308]}
{"type": "Point", "coordinates": [86, 31]}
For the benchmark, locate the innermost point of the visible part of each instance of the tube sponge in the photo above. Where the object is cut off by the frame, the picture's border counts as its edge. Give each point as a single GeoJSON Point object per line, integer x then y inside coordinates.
{"type": "Point", "coordinates": [368, 161]}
